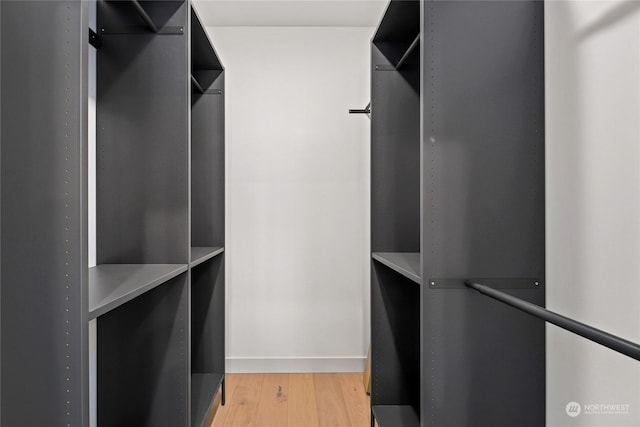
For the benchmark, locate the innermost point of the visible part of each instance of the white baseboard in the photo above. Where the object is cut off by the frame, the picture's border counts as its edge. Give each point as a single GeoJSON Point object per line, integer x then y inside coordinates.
{"type": "Point", "coordinates": [294, 364]}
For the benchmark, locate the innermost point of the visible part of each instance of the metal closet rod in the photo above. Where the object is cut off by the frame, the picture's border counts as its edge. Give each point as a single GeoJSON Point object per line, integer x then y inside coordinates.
{"type": "Point", "coordinates": [628, 348]}
{"type": "Point", "coordinates": [365, 110]}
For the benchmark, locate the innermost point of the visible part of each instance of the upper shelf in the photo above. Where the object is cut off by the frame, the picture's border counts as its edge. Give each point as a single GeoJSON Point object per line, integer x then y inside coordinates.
{"type": "Point", "coordinates": [205, 64]}
{"type": "Point", "coordinates": [398, 34]}
{"type": "Point", "coordinates": [133, 16]}
{"type": "Point", "coordinates": [400, 22]}
{"type": "Point", "coordinates": [111, 285]}
{"type": "Point", "coordinates": [405, 263]}
{"type": "Point", "coordinates": [201, 254]}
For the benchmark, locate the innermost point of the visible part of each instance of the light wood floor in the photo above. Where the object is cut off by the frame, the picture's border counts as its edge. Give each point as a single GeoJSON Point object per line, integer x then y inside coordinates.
{"type": "Point", "coordinates": [294, 400]}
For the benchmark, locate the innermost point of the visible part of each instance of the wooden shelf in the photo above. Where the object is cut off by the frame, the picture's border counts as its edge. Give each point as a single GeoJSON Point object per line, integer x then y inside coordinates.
{"type": "Point", "coordinates": [201, 254]}
{"type": "Point", "coordinates": [405, 263]}
{"type": "Point", "coordinates": [111, 285]}
{"type": "Point", "coordinates": [203, 392]}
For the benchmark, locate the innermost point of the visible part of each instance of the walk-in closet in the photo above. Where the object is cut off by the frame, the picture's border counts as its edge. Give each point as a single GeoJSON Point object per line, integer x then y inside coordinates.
{"type": "Point", "coordinates": [319, 213]}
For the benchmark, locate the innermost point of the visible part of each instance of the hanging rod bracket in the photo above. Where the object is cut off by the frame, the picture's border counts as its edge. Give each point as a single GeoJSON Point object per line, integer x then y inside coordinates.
{"type": "Point", "coordinates": [496, 283]}
{"type": "Point", "coordinates": [168, 30]}
{"type": "Point", "coordinates": [94, 39]}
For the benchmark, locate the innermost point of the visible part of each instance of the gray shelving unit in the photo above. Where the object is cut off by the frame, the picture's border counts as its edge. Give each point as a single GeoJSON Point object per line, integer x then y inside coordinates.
{"type": "Point", "coordinates": [207, 225]}
{"type": "Point", "coordinates": [457, 192]}
{"type": "Point", "coordinates": [157, 292]}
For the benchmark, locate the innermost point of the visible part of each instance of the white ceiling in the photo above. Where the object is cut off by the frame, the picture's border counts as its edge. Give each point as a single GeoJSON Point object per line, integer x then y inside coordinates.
{"type": "Point", "coordinates": [339, 13]}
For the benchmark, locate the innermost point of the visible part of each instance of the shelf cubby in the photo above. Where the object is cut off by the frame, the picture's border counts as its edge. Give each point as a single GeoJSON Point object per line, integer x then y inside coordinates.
{"type": "Point", "coordinates": [205, 64]}
{"type": "Point", "coordinates": [207, 335]}
{"type": "Point", "coordinates": [405, 263]}
{"type": "Point", "coordinates": [395, 341]}
{"type": "Point", "coordinates": [139, 16]}
{"type": "Point", "coordinates": [203, 392]}
{"type": "Point", "coordinates": [142, 359]}
{"type": "Point", "coordinates": [399, 30]}
{"type": "Point", "coordinates": [396, 415]}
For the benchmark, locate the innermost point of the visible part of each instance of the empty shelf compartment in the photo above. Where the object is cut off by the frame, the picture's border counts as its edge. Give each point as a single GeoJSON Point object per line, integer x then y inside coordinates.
{"type": "Point", "coordinates": [396, 415]}
{"type": "Point", "coordinates": [203, 392]}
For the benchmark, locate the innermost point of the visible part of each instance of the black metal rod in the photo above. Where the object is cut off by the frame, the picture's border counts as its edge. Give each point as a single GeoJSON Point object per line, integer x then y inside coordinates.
{"type": "Point", "coordinates": [145, 16]}
{"type": "Point", "coordinates": [365, 110]}
{"type": "Point", "coordinates": [412, 46]}
{"type": "Point", "coordinates": [606, 339]}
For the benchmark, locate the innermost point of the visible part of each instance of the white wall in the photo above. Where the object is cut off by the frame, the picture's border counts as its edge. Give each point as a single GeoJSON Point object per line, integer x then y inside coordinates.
{"type": "Point", "coordinates": [593, 204]}
{"type": "Point", "coordinates": [297, 197]}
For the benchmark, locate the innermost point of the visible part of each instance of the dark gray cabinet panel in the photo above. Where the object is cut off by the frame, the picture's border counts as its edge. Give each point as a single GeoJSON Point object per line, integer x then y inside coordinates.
{"type": "Point", "coordinates": [484, 196]}
{"type": "Point", "coordinates": [44, 238]}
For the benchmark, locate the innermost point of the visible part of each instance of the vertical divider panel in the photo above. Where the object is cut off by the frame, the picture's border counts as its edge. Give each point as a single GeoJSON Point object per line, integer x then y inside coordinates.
{"type": "Point", "coordinates": [483, 182]}
{"type": "Point", "coordinates": [43, 213]}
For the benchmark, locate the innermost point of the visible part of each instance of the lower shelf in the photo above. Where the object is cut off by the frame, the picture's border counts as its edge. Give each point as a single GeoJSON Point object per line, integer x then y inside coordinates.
{"type": "Point", "coordinates": [405, 263]}
{"type": "Point", "coordinates": [201, 254]}
{"type": "Point", "coordinates": [203, 392]}
{"type": "Point", "coordinates": [396, 415]}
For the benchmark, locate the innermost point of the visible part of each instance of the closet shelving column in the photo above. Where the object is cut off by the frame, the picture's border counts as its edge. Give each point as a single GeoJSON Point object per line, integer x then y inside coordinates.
{"type": "Point", "coordinates": [457, 152]}
{"type": "Point", "coordinates": [396, 275]}
{"type": "Point", "coordinates": [138, 292]}
{"type": "Point", "coordinates": [207, 225]}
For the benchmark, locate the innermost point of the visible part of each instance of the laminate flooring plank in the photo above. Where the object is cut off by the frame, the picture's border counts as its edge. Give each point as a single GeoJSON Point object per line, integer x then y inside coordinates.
{"type": "Point", "coordinates": [302, 401]}
{"type": "Point", "coordinates": [273, 404]}
{"type": "Point", "coordinates": [355, 399]}
{"type": "Point", "coordinates": [243, 407]}
{"type": "Point", "coordinates": [332, 411]}
{"type": "Point", "coordinates": [222, 411]}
